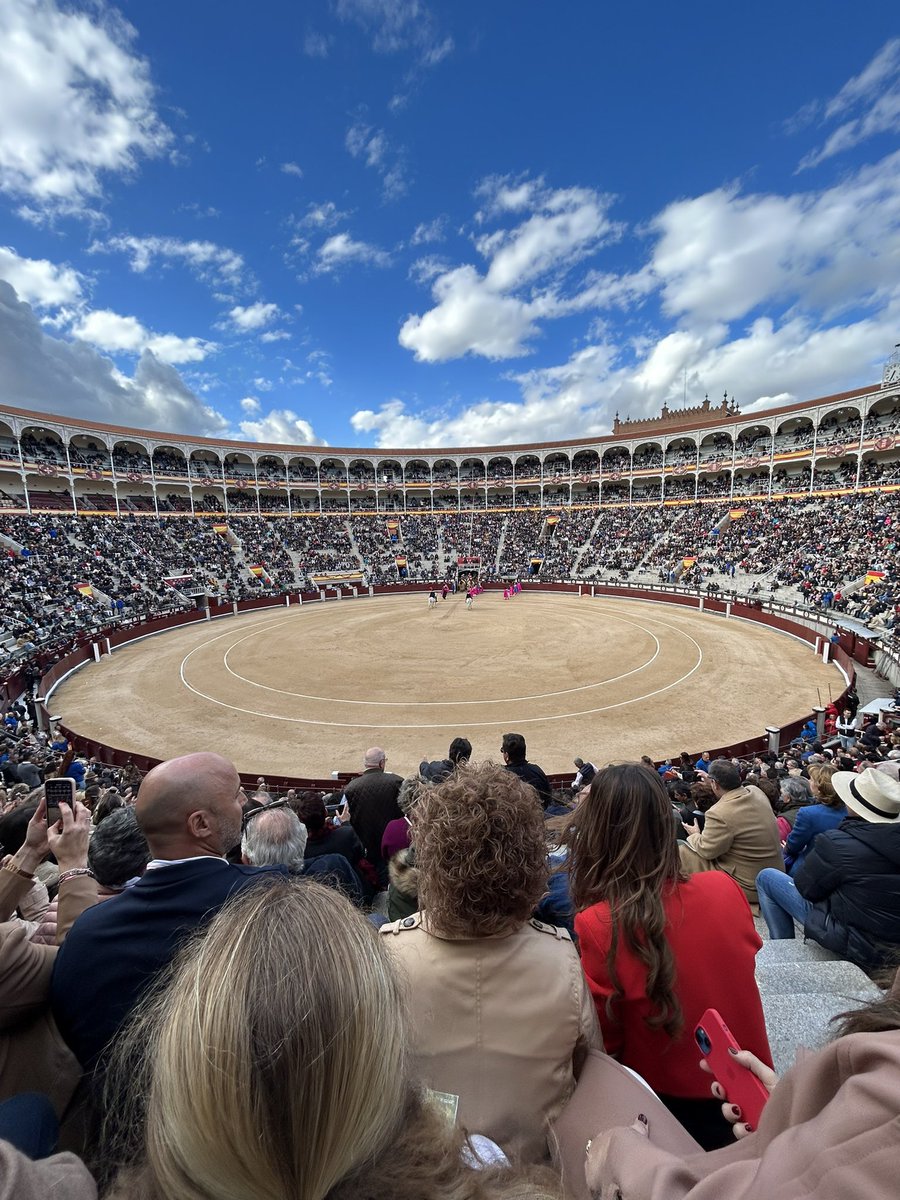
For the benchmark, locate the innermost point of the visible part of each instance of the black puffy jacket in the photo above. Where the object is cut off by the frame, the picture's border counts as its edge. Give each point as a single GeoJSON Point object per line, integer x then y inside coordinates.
{"type": "Point", "coordinates": [852, 877]}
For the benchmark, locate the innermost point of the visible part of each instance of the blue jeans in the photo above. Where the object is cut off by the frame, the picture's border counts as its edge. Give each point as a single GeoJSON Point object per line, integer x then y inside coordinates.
{"type": "Point", "coordinates": [780, 903]}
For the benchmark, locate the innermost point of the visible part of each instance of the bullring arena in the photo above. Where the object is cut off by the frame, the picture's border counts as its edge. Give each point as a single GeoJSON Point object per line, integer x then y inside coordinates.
{"type": "Point", "coordinates": [304, 690]}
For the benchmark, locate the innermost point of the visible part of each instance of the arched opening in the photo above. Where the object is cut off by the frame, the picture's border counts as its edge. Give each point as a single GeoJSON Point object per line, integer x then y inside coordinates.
{"type": "Point", "coordinates": [716, 449]}
{"type": "Point", "coordinates": [270, 468]}
{"type": "Point", "coordinates": [794, 434]}
{"type": "Point", "coordinates": [173, 498]}
{"type": "Point", "coordinates": [42, 447]}
{"type": "Point", "coordinates": [169, 463]}
{"type": "Point", "coordinates": [131, 460]}
{"type": "Point", "coordinates": [681, 452]}
{"type": "Point", "coordinates": [557, 466]}
{"type": "Point", "coordinates": [238, 468]}
{"type": "Point", "coordinates": [648, 456]}
{"type": "Point", "coordinates": [416, 473]}
{"type": "Point", "coordinates": [206, 467]}
{"type": "Point", "coordinates": [88, 452]}
{"type": "Point", "coordinates": [528, 469]}
{"type": "Point", "coordinates": [444, 472]}
{"type": "Point", "coordinates": [616, 460]}
{"type": "Point", "coordinates": [499, 469]}
{"type": "Point", "coordinates": [586, 465]}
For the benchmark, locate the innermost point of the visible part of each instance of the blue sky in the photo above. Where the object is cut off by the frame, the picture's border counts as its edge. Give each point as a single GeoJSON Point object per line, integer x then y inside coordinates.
{"type": "Point", "coordinates": [394, 223]}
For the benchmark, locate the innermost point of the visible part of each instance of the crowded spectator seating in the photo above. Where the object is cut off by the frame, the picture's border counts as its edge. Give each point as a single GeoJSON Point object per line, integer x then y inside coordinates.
{"type": "Point", "coordinates": [67, 574]}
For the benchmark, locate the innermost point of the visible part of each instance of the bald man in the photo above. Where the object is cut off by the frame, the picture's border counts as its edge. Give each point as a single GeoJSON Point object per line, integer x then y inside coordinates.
{"type": "Point", "coordinates": [190, 812]}
{"type": "Point", "coordinates": [371, 801]}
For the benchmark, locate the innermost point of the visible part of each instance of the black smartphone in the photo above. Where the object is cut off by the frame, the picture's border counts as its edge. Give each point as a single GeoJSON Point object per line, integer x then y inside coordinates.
{"type": "Point", "coordinates": [57, 792]}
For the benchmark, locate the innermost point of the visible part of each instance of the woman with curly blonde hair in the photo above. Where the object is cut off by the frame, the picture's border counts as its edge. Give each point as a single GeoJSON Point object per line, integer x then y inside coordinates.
{"type": "Point", "coordinates": [272, 1066]}
{"type": "Point", "coordinates": [500, 1011]}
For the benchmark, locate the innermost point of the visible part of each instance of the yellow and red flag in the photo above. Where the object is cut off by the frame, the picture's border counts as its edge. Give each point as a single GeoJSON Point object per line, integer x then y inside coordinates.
{"type": "Point", "coordinates": [873, 577]}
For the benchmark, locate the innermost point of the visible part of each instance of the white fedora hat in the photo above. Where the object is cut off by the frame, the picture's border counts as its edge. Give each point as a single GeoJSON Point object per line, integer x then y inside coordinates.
{"type": "Point", "coordinates": [872, 795]}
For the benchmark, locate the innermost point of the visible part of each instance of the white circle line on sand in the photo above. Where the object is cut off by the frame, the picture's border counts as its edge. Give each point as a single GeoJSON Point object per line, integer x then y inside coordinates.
{"type": "Point", "coordinates": [251, 712]}
{"type": "Point", "coordinates": [438, 703]}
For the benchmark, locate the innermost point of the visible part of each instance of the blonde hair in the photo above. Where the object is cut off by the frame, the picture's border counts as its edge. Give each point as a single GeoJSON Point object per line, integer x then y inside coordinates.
{"type": "Point", "coordinates": [272, 1066]}
{"type": "Point", "coordinates": [820, 774]}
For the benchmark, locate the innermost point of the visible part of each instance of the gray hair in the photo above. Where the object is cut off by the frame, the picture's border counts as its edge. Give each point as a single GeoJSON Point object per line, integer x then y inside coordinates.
{"type": "Point", "coordinates": [275, 838]}
{"type": "Point", "coordinates": [118, 850]}
{"type": "Point", "coordinates": [795, 790]}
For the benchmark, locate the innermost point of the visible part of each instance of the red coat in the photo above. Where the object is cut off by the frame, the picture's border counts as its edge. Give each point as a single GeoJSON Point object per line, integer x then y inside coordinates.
{"type": "Point", "coordinates": [712, 935]}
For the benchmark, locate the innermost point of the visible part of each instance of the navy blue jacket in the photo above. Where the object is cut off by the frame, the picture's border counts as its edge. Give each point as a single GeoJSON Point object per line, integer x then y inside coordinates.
{"type": "Point", "coordinates": [852, 877]}
{"type": "Point", "coordinates": [115, 949]}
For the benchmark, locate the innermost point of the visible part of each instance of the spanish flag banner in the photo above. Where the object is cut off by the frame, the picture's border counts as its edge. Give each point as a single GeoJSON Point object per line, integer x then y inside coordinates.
{"type": "Point", "coordinates": [257, 571]}
{"type": "Point", "coordinates": [737, 513]}
{"type": "Point", "coordinates": [393, 526]}
{"type": "Point", "coordinates": [220, 528]}
{"type": "Point", "coordinates": [400, 561]}
{"type": "Point", "coordinates": [873, 577]}
{"type": "Point", "coordinates": [687, 563]}
{"type": "Point", "coordinates": [553, 519]}
{"type": "Point", "coordinates": [85, 589]}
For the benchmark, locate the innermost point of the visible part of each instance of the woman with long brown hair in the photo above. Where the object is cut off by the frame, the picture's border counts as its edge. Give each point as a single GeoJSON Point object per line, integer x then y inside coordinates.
{"type": "Point", "coordinates": [659, 947]}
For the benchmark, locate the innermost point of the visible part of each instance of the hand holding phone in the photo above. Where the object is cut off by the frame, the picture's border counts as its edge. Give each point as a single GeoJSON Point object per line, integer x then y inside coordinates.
{"type": "Point", "coordinates": [742, 1088]}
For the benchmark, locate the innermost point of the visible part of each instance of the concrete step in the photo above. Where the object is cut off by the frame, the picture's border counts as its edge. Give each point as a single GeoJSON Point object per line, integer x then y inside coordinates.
{"type": "Point", "coordinates": [792, 950]}
{"type": "Point", "coordinates": [801, 996]}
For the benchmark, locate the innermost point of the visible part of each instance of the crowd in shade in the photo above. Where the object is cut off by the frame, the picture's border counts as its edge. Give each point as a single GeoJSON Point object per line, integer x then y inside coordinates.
{"type": "Point", "coordinates": [410, 986]}
{"type": "Point", "coordinates": [66, 578]}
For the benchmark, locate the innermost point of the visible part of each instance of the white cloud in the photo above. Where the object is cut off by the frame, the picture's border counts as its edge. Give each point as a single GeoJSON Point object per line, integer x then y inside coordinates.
{"type": "Point", "coordinates": [316, 45]}
{"type": "Point", "coordinates": [721, 254]}
{"type": "Point", "coordinates": [283, 426]}
{"type": "Point", "coordinates": [119, 334]}
{"type": "Point", "coordinates": [396, 26]}
{"type": "Point", "coordinates": [292, 168]}
{"type": "Point", "coordinates": [211, 262]}
{"type": "Point", "coordinates": [40, 371]}
{"type": "Point", "coordinates": [248, 318]}
{"type": "Point", "coordinates": [424, 270]}
{"type": "Point", "coordinates": [342, 250]}
{"type": "Point", "coordinates": [76, 104]}
{"type": "Point", "coordinates": [250, 404]}
{"type": "Point", "coordinates": [320, 217]}
{"type": "Point", "coordinates": [373, 147]}
{"type": "Point", "coordinates": [429, 231]}
{"type": "Point", "coordinates": [495, 314]}
{"type": "Point", "coordinates": [274, 335]}
{"type": "Point", "coordinates": [773, 298]}
{"type": "Point", "coordinates": [875, 93]}
{"type": "Point", "coordinates": [39, 282]}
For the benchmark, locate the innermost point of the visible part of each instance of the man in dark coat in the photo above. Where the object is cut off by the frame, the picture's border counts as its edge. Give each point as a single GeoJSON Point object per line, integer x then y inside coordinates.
{"type": "Point", "coordinates": [846, 894]}
{"type": "Point", "coordinates": [371, 803]}
{"type": "Point", "coordinates": [189, 810]}
{"type": "Point", "coordinates": [513, 749]}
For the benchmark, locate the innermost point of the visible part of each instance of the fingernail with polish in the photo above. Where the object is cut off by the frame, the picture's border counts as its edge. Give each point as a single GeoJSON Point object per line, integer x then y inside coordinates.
{"type": "Point", "coordinates": [731, 1050]}
{"type": "Point", "coordinates": [643, 1120]}
{"type": "Point", "coordinates": [735, 1110]}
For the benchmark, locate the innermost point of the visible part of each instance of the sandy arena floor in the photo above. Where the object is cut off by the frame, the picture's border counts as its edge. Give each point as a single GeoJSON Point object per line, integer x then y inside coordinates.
{"type": "Point", "coordinates": [303, 691]}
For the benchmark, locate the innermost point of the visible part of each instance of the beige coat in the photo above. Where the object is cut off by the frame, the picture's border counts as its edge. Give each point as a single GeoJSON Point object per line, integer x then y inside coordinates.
{"type": "Point", "coordinates": [60, 1177]}
{"type": "Point", "coordinates": [740, 836]}
{"type": "Point", "coordinates": [33, 1056]}
{"type": "Point", "coordinates": [500, 1022]}
{"type": "Point", "coordinates": [831, 1131]}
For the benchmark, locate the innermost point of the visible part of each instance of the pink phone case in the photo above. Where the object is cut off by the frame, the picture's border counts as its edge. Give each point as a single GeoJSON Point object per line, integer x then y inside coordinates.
{"type": "Point", "coordinates": [741, 1086]}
